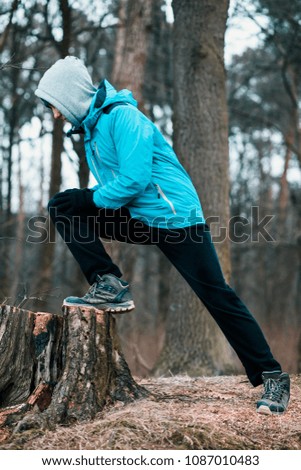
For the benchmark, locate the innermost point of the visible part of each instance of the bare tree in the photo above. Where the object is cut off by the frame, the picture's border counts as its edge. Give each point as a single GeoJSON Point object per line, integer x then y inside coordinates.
{"type": "Point", "coordinates": [193, 342]}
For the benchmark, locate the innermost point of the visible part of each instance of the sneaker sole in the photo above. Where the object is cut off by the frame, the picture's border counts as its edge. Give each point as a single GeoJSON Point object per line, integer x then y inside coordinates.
{"type": "Point", "coordinates": [108, 308]}
{"type": "Point", "coordinates": [265, 410]}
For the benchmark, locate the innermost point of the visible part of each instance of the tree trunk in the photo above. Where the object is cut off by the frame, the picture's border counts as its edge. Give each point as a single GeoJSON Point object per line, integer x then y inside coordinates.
{"type": "Point", "coordinates": [19, 246]}
{"type": "Point", "coordinates": [60, 368]}
{"type": "Point", "coordinates": [132, 45]}
{"type": "Point", "coordinates": [194, 344]}
{"type": "Point", "coordinates": [56, 164]}
{"type": "Point", "coordinates": [44, 283]}
{"type": "Point", "coordinates": [83, 169]}
{"type": "Point", "coordinates": [298, 301]}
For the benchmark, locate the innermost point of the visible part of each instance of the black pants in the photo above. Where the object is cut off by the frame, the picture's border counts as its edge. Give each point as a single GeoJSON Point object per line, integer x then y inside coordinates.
{"type": "Point", "coordinates": [193, 254]}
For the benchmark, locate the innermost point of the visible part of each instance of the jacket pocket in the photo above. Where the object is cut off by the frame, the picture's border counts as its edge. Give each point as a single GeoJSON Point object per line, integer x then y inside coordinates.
{"type": "Point", "coordinates": [163, 195]}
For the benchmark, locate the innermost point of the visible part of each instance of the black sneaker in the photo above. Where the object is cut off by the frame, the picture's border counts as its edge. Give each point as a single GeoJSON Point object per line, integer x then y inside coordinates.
{"type": "Point", "coordinates": [108, 293]}
{"type": "Point", "coordinates": [276, 393]}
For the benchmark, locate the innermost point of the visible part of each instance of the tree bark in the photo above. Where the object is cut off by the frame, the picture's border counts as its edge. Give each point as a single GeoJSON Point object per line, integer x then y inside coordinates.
{"type": "Point", "coordinates": [194, 344]}
{"type": "Point", "coordinates": [132, 46]}
{"type": "Point", "coordinates": [45, 281]}
{"type": "Point", "coordinates": [5, 33]}
{"type": "Point", "coordinates": [60, 368]}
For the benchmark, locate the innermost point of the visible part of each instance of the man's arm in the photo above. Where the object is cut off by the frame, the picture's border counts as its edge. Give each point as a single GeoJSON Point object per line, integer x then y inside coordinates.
{"type": "Point", "coordinates": [133, 139]}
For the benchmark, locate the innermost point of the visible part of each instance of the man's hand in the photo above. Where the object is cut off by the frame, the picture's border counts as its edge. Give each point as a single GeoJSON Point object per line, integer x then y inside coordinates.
{"type": "Point", "coordinates": [73, 201]}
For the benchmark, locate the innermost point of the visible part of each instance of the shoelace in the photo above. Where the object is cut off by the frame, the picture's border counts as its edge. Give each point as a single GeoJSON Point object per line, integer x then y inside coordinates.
{"type": "Point", "coordinates": [92, 289]}
{"type": "Point", "coordinates": [98, 285]}
{"type": "Point", "coordinates": [273, 390]}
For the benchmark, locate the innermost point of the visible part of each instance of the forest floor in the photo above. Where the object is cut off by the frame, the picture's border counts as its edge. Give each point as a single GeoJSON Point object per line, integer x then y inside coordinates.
{"type": "Point", "coordinates": [181, 413]}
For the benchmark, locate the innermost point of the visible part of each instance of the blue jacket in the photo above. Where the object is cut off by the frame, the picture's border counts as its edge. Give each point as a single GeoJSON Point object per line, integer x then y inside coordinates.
{"type": "Point", "coordinates": [135, 166]}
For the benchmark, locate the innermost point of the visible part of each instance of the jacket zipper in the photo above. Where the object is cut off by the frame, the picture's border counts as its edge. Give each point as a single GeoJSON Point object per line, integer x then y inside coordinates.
{"type": "Point", "coordinates": [95, 150]}
{"type": "Point", "coordinates": [98, 156]}
{"type": "Point", "coordinates": [161, 193]}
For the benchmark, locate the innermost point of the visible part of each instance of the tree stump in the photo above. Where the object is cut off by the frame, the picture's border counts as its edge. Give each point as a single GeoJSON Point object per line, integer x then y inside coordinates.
{"type": "Point", "coordinates": [60, 368]}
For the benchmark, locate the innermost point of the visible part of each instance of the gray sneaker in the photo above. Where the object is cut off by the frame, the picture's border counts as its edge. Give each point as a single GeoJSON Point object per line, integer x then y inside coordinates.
{"type": "Point", "coordinates": [108, 293]}
{"type": "Point", "coordinates": [276, 393]}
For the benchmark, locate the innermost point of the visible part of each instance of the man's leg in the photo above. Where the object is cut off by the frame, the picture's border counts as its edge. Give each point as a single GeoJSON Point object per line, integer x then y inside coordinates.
{"type": "Point", "coordinates": [196, 259]}
{"type": "Point", "coordinates": [81, 233]}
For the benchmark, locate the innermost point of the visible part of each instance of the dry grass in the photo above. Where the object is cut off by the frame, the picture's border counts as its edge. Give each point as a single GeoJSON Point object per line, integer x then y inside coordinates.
{"type": "Point", "coordinates": [182, 413]}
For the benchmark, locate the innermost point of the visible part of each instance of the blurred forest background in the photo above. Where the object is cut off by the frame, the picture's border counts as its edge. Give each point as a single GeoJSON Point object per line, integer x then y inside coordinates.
{"type": "Point", "coordinates": [136, 44]}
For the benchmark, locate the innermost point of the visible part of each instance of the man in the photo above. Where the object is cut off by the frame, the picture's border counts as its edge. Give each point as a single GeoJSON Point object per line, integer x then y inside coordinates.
{"type": "Point", "coordinates": [144, 196]}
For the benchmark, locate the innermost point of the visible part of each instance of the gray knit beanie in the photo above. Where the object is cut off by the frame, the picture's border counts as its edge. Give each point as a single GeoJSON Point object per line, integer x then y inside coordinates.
{"type": "Point", "coordinates": [68, 87]}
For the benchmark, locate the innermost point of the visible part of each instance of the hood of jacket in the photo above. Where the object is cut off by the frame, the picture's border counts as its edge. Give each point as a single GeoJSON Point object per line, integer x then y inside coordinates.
{"type": "Point", "coordinates": [67, 86]}
{"type": "Point", "coordinates": [105, 96]}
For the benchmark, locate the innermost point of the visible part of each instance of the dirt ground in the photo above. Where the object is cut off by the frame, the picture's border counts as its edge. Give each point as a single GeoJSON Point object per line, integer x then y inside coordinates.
{"type": "Point", "coordinates": [181, 413]}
